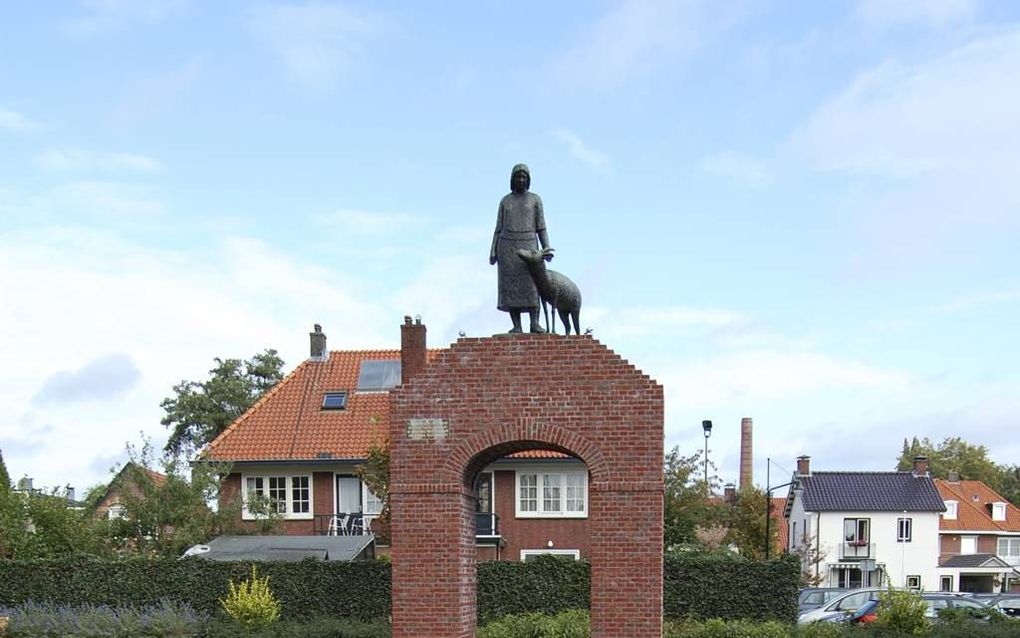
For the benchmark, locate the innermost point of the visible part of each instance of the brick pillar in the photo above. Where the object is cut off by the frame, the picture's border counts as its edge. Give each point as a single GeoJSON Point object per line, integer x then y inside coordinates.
{"type": "Point", "coordinates": [412, 349]}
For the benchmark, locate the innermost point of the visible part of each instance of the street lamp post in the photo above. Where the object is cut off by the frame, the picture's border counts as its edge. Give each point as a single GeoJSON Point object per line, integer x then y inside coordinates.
{"type": "Point", "coordinates": [706, 425]}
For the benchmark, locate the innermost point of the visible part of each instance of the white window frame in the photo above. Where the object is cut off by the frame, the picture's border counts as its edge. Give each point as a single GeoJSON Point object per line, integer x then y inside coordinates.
{"type": "Point", "coordinates": [1012, 553]}
{"type": "Point", "coordinates": [288, 477]}
{"type": "Point", "coordinates": [540, 511]}
{"type": "Point", "coordinates": [115, 512]}
{"type": "Point", "coordinates": [969, 539]}
{"type": "Point", "coordinates": [913, 581]}
{"type": "Point", "coordinates": [904, 529]}
{"type": "Point", "coordinates": [574, 553]}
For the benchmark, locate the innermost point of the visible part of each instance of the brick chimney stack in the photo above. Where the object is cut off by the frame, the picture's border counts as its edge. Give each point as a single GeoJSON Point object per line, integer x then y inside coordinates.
{"type": "Point", "coordinates": [746, 455]}
{"type": "Point", "coordinates": [317, 340]}
{"type": "Point", "coordinates": [804, 465]}
{"type": "Point", "coordinates": [920, 466]}
{"type": "Point", "coordinates": [412, 348]}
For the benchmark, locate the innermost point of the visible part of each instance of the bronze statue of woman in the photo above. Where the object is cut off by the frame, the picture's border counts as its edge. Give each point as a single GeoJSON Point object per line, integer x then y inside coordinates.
{"type": "Point", "coordinates": [519, 222]}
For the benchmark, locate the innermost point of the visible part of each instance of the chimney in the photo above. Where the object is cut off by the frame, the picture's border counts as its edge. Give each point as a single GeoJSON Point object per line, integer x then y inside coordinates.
{"type": "Point", "coordinates": [412, 348]}
{"type": "Point", "coordinates": [746, 457]}
{"type": "Point", "coordinates": [317, 338]}
{"type": "Point", "coordinates": [729, 493]}
{"type": "Point", "coordinates": [953, 477]}
{"type": "Point", "coordinates": [920, 466]}
{"type": "Point", "coordinates": [803, 466]}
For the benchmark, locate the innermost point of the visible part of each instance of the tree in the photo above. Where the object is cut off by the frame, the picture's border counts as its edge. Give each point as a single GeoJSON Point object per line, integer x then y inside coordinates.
{"type": "Point", "coordinates": [685, 505]}
{"type": "Point", "coordinates": [42, 525]}
{"type": "Point", "coordinates": [199, 411]}
{"type": "Point", "coordinates": [971, 462]}
{"type": "Point", "coordinates": [746, 522]}
{"type": "Point", "coordinates": [375, 473]}
{"type": "Point", "coordinates": [165, 516]}
{"type": "Point", "coordinates": [5, 478]}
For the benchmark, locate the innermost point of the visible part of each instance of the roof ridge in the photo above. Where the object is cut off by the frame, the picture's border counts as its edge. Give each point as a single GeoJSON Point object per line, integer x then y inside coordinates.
{"type": "Point", "coordinates": [262, 399]}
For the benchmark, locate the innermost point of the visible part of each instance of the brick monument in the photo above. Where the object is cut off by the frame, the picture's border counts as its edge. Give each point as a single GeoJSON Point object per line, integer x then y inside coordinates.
{"type": "Point", "coordinates": [484, 398]}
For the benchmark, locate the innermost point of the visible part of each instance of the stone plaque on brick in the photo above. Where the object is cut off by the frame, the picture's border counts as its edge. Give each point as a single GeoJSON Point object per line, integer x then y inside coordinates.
{"type": "Point", "coordinates": [419, 429]}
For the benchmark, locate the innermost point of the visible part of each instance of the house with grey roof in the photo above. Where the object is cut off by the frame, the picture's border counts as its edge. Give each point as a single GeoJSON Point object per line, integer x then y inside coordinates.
{"type": "Point", "coordinates": [861, 529]}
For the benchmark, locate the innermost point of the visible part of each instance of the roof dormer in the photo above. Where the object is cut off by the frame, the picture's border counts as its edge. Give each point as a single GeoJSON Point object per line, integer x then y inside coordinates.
{"type": "Point", "coordinates": [998, 511]}
{"type": "Point", "coordinates": [950, 513]}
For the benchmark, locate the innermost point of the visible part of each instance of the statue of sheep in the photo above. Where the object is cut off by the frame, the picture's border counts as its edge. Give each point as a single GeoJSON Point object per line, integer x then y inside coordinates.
{"type": "Point", "coordinates": [554, 289]}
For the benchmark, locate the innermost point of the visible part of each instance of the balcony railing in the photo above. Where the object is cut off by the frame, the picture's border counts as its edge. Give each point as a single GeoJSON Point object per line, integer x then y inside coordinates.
{"type": "Point", "coordinates": [353, 524]}
{"type": "Point", "coordinates": [856, 550]}
{"type": "Point", "coordinates": [486, 524]}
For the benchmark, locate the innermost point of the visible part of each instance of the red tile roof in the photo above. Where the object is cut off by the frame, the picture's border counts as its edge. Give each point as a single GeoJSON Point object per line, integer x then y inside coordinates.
{"type": "Point", "coordinates": [973, 510]}
{"type": "Point", "coordinates": [780, 522]}
{"type": "Point", "coordinates": [287, 423]}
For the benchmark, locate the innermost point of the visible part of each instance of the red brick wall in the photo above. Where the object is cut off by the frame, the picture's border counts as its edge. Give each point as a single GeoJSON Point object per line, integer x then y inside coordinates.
{"type": "Point", "coordinates": [322, 501]}
{"type": "Point", "coordinates": [509, 393]}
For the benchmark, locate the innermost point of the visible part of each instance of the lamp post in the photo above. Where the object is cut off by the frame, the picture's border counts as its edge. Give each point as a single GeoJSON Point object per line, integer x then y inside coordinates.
{"type": "Point", "coordinates": [706, 425]}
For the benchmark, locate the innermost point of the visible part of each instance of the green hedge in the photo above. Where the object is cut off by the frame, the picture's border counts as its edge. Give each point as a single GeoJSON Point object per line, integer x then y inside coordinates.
{"type": "Point", "coordinates": [696, 586]}
{"type": "Point", "coordinates": [309, 588]}
{"type": "Point", "coordinates": [546, 584]}
{"type": "Point", "coordinates": [726, 586]}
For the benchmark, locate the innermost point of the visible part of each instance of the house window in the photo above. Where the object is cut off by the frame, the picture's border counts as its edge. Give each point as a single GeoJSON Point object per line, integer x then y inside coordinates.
{"type": "Point", "coordinates": [950, 513]}
{"type": "Point", "coordinates": [856, 530]}
{"type": "Point", "coordinates": [373, 504]}
{"type": "Point", "coordinates": [290, 496]}
{"type": "Point", "coordinates": [562, 494]}
{"type": "Point", "coordinates": [968, 544]}
{"type": "Point", "coordinates": [530, 554]}
{"type": "Point", "coordinates": [115, 511]}
{"type": "Point", "coordinates": [1009, 550]}
{"type": "Point", "coordinates": [483, 495]}
{"type": "Point", "coordinates": [334, 401]}
{"type": "Point", "coordinates": [913, 582]}
{"type": "Point", "coordinates": [904, 528]}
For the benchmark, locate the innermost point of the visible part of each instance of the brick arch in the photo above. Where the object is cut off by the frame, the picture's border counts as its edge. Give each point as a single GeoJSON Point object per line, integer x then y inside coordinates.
{"type": "Point", "coordinates": [479, 449]}
{"type": "Point", "coordinates": [483, 398]}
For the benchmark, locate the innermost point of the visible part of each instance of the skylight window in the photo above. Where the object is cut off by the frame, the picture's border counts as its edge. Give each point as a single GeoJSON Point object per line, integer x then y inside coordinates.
{"type": "Point", "coordinates": [379, 374]}
{"type": "Point", "coordinates": [334, 401]}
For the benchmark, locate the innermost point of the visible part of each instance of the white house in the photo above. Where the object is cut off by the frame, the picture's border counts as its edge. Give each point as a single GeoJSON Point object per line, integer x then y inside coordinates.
{"type": "Point", "coordinates": [866, 528]}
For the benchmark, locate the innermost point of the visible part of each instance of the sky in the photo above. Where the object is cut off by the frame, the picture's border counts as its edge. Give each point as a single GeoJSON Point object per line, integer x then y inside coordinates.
{"type": "Point", "coordinates": [804, 213]}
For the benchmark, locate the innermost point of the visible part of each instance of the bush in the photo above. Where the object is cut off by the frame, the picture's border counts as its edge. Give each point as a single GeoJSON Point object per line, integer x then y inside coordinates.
{"type": "Point", "coordinates": [903, 612]}
{"type": "Point", "coordinates": [717, 628]}
{"type": "Point", "coordinates": [43, 620]}
{"type": "Point", "coordinates": [546, 584]}
{"type": "Point", "coordinates": [251, 603]}
{"type": "Point", "coordinates": [568, 624]}
{"type": "Point", "coordinates": [324, 627]}
{"type": "Point", "coordinates": [726, 586]}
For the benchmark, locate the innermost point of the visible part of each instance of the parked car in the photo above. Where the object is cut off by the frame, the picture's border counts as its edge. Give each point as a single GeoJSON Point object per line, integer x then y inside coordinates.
{"type": "Point", "coordinates": [812, 597]}
{"type": "Point", "coordinates": [1008, 604]}
{"type": "Point", "coordinates": [866, 613]}
{"type": "Point", "coordinates": [842, 605]}
{"type": "Point", "coordinates": [939, 601]}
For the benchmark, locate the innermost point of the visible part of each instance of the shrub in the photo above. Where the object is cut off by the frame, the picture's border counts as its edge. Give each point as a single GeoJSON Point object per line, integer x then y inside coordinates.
{"type": "Point", "coordinates": [547, 584]}
{"type": "Point", "coordinates": [251, 603]}
{"type": "Point", "coordinates": [718, 628]}
{"type": "Point", "coordinates": [165, 620]}
{"type": "Point", "coordinates": [822, 630]}
{"type": "Point", "coordinates": [323, 627]}
{"type": "Point", "coordinates": [568, 624]}
{"type": "Point", "coordinates": [903, 612]}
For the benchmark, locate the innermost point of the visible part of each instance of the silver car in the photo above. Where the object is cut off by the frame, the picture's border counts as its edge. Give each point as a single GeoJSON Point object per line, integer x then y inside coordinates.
{"type": "Point", "coordinates": [845, 604]}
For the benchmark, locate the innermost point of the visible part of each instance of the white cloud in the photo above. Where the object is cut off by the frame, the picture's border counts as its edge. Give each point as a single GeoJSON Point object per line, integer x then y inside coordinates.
{"type": "Point", "coordinates": [109, 199]}
{"type": "Point", "coordinates": [315, 41]}
{"type": "Point", "coordinates": [636, 36]}
{"type": "Point", "coordinates": [16, 122]}
{"type": "Point", "coordinates": [360, 222]}
{"type": "Point", "coordinates": [80, 160]}
{"type": "Point", "coordinates": [580, 151]}
{"type": "Point", "coordinates": [739, 167]}
{"type": "Point", "coordinates": [955, 112]}
{"type": "Point", "coordinates": [102, 17]}
{"type": "Point", "coordinates": [935, 12]}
